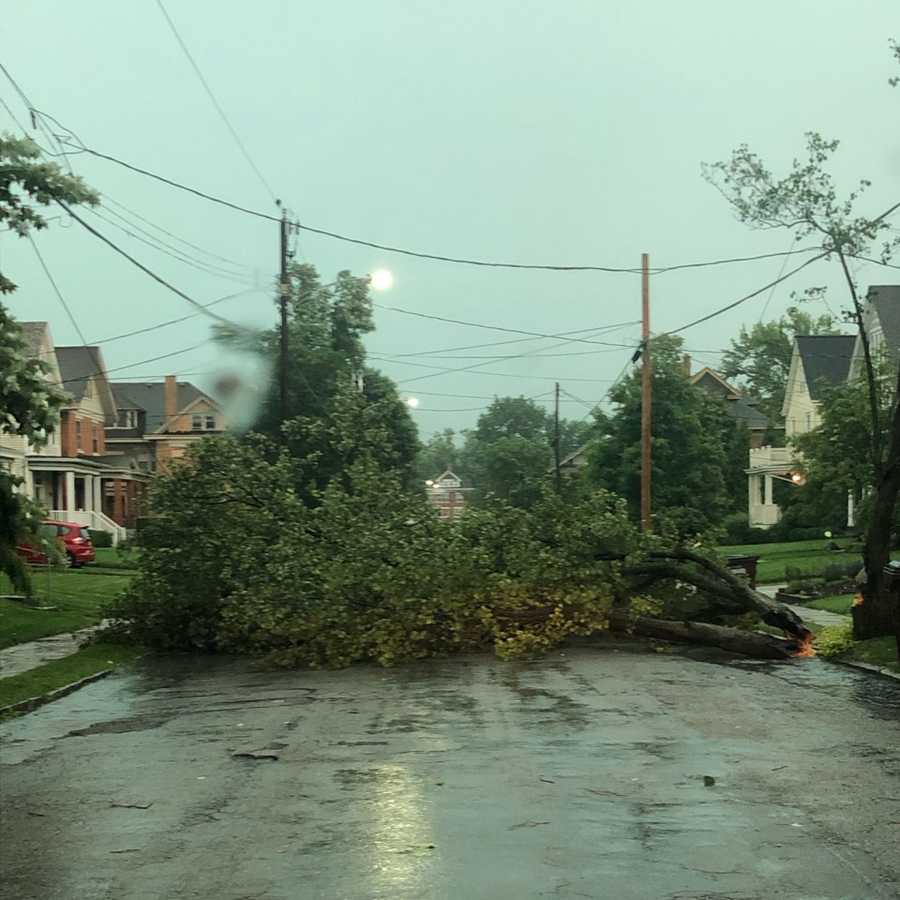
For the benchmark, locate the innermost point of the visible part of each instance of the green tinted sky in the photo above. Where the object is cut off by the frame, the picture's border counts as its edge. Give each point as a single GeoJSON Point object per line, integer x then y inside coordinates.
{"type": "Point", "coordinates": [534, 132]}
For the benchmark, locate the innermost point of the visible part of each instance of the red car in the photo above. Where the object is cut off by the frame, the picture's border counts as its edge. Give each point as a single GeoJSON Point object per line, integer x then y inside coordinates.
{"type": "Point", "coordinates": [75, 539]}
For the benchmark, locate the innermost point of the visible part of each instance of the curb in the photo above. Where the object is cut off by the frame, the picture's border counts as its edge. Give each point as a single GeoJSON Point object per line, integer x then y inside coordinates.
{"type": "Point", "coordinates": [867, 667]}
{"type": "Point", "coordinates": [32, 703]}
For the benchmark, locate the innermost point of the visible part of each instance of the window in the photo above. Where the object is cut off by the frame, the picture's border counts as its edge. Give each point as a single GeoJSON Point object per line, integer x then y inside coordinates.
{"type": "Point", "coordinates": [78, 433]}
{"type": "Point", "coordinates": [196, 422]}
{"type": "Point", "coordinates": [127, 418]}
{"type": "Point", "coordinates": [210, 423]}
{"type": "Point", "coordinates": [95, 440]}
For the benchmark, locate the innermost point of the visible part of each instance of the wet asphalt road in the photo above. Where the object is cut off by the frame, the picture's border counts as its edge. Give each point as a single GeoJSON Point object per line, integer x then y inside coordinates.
{"type": "Point", "coordinates": [580, 775]}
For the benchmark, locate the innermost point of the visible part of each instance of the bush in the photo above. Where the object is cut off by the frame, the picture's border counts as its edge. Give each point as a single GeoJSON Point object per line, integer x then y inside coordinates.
{"type": "Point", "coordinates": [835, 640]}
{"type": "Point", "coordinates": [842, 571]}
{"type": "Point", "coordinates": [100, 538]}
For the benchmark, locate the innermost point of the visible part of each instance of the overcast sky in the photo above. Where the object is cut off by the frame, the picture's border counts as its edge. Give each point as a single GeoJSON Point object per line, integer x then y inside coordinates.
{"type": "Point", "coordinates": [561, 133]}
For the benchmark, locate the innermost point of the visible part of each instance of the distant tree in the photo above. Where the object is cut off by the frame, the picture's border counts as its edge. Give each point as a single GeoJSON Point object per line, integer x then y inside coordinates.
{"type": "Point", "coordinates": [692, 439]}
{"type": "Point", "coordinates": [759, 359]}
{"type": "Point", "coordinates": [437, 454]}
{"type": "Point", "coordinates": [28, 402]}
{"type": "Point", "coordinates": [509, 453]}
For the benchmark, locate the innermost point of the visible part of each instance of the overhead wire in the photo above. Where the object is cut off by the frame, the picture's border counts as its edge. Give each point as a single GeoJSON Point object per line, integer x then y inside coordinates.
{"type": "Point", "coordinates": [145, 269]}
{"type": "Point", "coordinates": [56, 290]}
{"type": "Point", "coordinates": [218, 106]}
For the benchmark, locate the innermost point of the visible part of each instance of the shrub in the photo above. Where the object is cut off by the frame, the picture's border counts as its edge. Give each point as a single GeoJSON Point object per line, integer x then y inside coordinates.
{"type": "Point", "coordinates": [101, 538]}
{"type": "Point", "coordinates": [835, 640]}
{"type": "Point", "coordinates": [842, 571]}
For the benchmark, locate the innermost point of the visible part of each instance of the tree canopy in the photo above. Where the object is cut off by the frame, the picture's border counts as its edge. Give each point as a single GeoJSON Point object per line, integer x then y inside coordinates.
{"type": "Point", "coordinates": [28, 402]}
{"type": "Point", "coordinates": [759, 358]}
{"type": "Point", "coordinates": [696, 444]}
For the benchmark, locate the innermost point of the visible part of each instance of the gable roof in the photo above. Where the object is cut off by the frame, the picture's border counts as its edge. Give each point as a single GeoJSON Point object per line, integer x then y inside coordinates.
{"type": "Point", "coordinates": [885, 298]}
{"type": "Point", "coordinates": [710, 379]}
{"type": "Point", "coordinates": [150, 397]}
{"type": "Point", "coordinates": [826, 360]}
{"type": "Point", "coordinates": [78, 365]}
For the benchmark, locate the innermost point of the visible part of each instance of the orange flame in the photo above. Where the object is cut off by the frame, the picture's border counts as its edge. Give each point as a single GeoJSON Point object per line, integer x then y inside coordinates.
{"type": "Point", "coordinates": [805, 645]}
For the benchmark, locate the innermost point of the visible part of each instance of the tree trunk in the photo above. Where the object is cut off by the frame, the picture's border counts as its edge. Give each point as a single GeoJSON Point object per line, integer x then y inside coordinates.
{"type": "Point", "coordinates": [878, 615]}
{"type": "Point", "coordinates": [747, 643]}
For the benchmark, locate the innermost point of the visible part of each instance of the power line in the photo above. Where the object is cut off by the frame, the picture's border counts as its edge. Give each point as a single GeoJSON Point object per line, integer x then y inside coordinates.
{"type": "Point", "coordinates": [106, 371]}
{"type": "Point", "coordinates": [170, 234]}
{"type": "Point", "coordinates": [749, 296]}
{"type": "Point", "coordinates": [168, 249]}
{"type": "Point", "coordinates": [127, 334]}
{"type": "Point", "coordinates": [389, 248]}
{"type": "Point", "coordinates": [534, 334]}
{"type": "Point", "coordinates": [56, 290]}
{"type": "Point", "coordinates": [469, 371]}
{"type": "Point", "coordinates": [145, 270]}
{"type": "Point", "coordinates": [596, 329]}
{"type": "Point", "coordinates": [215, 102]}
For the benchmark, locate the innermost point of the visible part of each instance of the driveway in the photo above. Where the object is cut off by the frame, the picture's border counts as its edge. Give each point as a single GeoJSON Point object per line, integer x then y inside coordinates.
{"type": "Point", "coordinates": [580, 775]}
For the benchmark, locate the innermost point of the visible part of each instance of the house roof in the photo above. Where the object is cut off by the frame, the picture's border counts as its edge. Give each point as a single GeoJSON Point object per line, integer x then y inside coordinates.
{"type": "Point", "coordinates": [710, 379]}
{"type": "Point", "coordinates": [885, 298]}
{"type": "Point", "coordinates": [150, 397]}
{"type": "Point", "coordinates": [826, 360]}
{"type": "Point", "coordinates": [745, 411]}
{"type": "Point", "coordinates": [78, 365]}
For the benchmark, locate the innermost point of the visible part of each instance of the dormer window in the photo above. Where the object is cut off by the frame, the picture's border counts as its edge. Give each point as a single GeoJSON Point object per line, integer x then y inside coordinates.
{"type": "Point", "coordinates": [127, 418]}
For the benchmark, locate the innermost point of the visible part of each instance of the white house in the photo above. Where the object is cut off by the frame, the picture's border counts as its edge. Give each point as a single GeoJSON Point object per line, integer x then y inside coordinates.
{"type": "Point", "coordinates": [819, 362]}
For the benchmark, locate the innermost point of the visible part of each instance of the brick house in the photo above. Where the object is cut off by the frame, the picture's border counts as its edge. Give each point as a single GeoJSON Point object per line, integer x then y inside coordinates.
{"type": "Point", "coordinates": [447, 495]}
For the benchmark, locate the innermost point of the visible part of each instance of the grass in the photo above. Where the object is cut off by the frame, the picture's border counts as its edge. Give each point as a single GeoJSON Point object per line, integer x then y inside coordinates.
{"type": "Point", "coordinates": [77, 595]}
{"type": "Point", "coordinates": [112, 558]}
{"type": "Point", "coordinates": [839, 604]}
{"type": "Point", "coordinates": [810, 557]}
{"type": "Point", "coordinates": [877, 651]}
{"type": "Point", "coordinates": [52, 675]}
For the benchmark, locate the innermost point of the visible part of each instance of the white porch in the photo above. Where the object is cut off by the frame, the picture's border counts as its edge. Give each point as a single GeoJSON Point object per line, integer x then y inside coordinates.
{"type": "Point", "coordinates": [72, 491]}
{"type": "Point", "coordinates": [766, 465]}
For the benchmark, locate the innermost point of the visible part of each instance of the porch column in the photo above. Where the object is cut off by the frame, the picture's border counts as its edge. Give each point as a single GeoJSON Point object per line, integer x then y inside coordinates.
{"type": "Point", "coordinates": [88, 494]}
{"type": "Point", "coordinates": [97, 491]}
{"type": "Point", "coordinates": [70, 492]}
{"type": "Point", "coordinates": [851, 510]}
{"type": "Point", "coordinates": [769, 482]}
{"type": "Point", "coordinates": [753, 492]}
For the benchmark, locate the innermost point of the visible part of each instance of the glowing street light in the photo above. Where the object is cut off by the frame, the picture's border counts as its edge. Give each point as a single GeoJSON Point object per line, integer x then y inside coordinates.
{"type": "Point", "coordinates": [381, 280]}
{"type": "Point", "coordinates": [412, 402]}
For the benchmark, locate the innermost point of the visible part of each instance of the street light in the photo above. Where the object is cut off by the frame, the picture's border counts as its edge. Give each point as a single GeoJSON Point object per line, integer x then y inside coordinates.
{"type": "Point", "coordinates": [381, 280]}
{"type": "Point", "coordinates": [412, 402]}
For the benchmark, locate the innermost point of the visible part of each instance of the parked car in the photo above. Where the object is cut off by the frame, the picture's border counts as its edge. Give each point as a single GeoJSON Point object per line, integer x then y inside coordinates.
{"type": "Point", "coordinates": [74, 540]}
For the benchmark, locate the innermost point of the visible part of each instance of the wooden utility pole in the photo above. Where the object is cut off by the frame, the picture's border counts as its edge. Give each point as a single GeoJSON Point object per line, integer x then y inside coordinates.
{"type": "Point", "coordinates": [556, 437]}
{"type": "Point", "coordinates": [284, 289]}
{"type": "Point", "coordinates": [646, 396]}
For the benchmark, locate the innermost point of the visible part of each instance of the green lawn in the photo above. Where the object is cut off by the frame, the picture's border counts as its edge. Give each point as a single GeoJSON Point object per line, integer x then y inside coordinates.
{"type": "Point", "coordinates": [877, 651]}
{"type": "Point", "coordinates": [810, 557]}
{"type": "Point", "coordinates": [839, 604]}
{"type": "Point", "coordinates": [111, 558]}
{"type": "Point", "coordinates": [77, 595]}
{"type": "Point", "coordinates": [52, 675]}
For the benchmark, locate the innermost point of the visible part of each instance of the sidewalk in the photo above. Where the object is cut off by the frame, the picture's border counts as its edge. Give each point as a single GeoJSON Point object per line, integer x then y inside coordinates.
{"type": "Point", "coordinates": [819, 617]}
{"type": "Point", "coordinates": [22, 657]}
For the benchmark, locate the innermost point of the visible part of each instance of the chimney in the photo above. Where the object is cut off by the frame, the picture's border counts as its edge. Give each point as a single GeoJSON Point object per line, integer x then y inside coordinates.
{"type": "Point", "coordinates": [170, 400]}
{"type": "Point", "coordinates": [686, 362]}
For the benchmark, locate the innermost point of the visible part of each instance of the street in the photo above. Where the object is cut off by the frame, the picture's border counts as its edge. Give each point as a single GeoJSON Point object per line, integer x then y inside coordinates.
{"type": "Point", "coordinates": [578, 775]}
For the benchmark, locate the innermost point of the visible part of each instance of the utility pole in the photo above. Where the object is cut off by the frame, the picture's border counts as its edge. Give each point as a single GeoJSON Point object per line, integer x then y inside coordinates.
{"type": "Point", "coordinates": [646, 396]}
{"type": "Point", "coordinates": [284, 289]}
{"type": "Point", "coordinates": [556, 437]}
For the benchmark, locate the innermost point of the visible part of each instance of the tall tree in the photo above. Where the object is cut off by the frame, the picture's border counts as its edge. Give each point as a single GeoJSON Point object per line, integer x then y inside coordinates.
{"type": "Point", "coordinates": [805, 201]}
{"type": "Point", "coordinates": [691, 435]}
{"type": "Point", "coordinates": [326, 325]}
{"type": "Point", "coordinates": [759, 359]}
{"type": "Point", "coordinates": [28, 402]}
